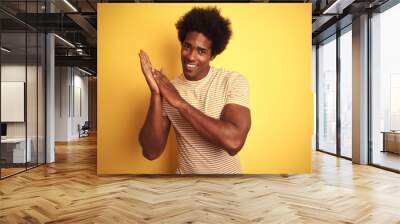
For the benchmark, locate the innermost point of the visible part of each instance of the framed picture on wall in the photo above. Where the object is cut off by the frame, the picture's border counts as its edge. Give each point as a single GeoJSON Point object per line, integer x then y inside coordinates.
{"type": "Point", "coordinates": [12, 101]}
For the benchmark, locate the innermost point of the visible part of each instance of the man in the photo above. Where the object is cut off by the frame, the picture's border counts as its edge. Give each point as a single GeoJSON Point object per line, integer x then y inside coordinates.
{"type": "Point", "coordinates": [208, 107]}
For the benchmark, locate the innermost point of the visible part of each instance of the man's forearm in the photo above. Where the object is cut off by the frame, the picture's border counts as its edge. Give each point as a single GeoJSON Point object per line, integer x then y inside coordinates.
{"type": "Point", "coordinates": [219, 132]}
{"type": "Point", "coordinates": [152, 136]}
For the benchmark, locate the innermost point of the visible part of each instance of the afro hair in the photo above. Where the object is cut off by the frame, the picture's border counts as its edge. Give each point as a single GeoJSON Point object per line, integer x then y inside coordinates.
{"type": "Point", "coordinates": [210, 23]}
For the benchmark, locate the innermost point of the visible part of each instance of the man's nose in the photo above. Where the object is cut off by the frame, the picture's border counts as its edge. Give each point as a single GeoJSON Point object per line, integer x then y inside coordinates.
{"type": "Point", "coordinates": [192, 55]}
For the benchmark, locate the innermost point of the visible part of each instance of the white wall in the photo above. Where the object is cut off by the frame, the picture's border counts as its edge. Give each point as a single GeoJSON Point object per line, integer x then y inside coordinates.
{"type": "Point", "coordinates": [16, 73]}
{"type": "Point", "coordinates": [62, 80]}
{"type": "Point", "coordinates": [80, 84]}
{"type": "Point", "coordinates": [71, 93]}
{"type": "Point", "coordinates": [33, 127]}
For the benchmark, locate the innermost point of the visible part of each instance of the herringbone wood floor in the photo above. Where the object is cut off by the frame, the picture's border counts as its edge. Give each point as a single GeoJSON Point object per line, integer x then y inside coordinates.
{"type": "Point", "coordinates": [69, 191]}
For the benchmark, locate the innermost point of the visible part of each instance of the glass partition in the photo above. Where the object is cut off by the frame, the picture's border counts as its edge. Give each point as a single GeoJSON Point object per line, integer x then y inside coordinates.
{"type": "Point", "coordinates": [385, 89]}
{"type": "Point", "coordinates": [22, 88]}
{"type": "Point", "coordinates": [14, 153]}
{"type": "Point", "coordinates": [32, 95]}
{"type": "Point", "coordinates": [327, 95]}
{"type": "Point", "coordinates": [346, 93]}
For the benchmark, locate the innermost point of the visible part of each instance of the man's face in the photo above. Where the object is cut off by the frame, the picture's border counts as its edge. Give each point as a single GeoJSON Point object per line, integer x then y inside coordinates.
{"type": "Point", "coordinates": [196, 56]}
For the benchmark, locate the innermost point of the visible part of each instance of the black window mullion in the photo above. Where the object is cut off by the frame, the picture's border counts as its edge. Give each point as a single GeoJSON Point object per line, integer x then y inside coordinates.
{"type": "Point", "coordinates": [37, 90]}
{"type": "Point", "coordinates": [338, 81]}
{"type": "Point", "coordinates": [0, 98]}
{"type": "Point", "coordinates": [317, 96]}
{"type": "Point", "coordinates": [45, 93]}
{"type": "Point", "coordinates": [26, 87]}
{"type": "Point", "coordinates": [44, 78]}
{"type": "Point", "coordinates": [369, 90]}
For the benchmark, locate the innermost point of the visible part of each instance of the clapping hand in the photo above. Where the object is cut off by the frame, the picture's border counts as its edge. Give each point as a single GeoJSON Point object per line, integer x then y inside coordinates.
{"type": "Point", "coordinates": [148, 72]}
{"type": "Point", "coordinates": [167, 90]}
{"type": "Point", "coordinates": [158, 82]}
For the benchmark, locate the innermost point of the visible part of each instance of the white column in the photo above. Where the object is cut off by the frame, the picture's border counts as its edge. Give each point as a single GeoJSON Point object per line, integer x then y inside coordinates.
{"type": "Point", "coordinates": [50, 99]}
{"type": "Point", "coordinates": [50, 92]}
{"type": "Point", "coordinates": [360, 90]}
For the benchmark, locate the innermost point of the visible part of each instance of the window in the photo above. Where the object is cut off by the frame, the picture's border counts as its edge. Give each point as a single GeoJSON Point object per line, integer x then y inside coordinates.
{"type": "Point", "coordinates": [385, 88]}
{"type": "Point", "coordinates": [346, 93]}
{"type": "Point", "coordinates": [327, 95]}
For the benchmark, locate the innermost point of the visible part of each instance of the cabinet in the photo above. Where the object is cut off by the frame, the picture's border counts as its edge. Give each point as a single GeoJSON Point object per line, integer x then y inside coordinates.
{"type": "Point", "coordinates": [391, 141]}
{"type": "Point", "coordinates": [13, 150]}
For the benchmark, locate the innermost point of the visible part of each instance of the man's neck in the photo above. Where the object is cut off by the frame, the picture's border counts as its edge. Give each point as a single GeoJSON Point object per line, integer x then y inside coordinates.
{"type": "Point", "coordinates": [201, 76]}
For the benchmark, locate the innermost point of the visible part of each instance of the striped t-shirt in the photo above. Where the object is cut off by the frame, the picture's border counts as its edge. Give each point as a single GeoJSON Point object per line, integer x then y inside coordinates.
{"type": "Point", "coordinates": [196, 155]}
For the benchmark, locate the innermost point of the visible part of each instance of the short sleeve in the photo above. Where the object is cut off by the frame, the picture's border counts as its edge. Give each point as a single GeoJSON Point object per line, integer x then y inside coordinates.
{"type": "Point", "coordinates": [238, 91]}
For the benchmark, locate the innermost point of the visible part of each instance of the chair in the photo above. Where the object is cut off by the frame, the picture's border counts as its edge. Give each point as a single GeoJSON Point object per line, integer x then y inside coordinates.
{"type": "Point", "coordinates": [84, 130]}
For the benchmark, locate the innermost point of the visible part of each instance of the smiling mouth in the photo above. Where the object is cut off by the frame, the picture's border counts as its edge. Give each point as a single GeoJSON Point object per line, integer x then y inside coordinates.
{"type": "Point", "coordinates": [189, 66]}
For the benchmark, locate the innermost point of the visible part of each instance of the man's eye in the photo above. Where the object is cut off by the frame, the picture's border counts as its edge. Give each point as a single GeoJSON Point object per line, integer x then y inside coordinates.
{"type": "Point", "coordinates": [202, 52]}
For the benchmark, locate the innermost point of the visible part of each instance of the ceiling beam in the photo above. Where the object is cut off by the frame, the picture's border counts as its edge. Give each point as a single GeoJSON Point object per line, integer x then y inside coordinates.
{"type": "Point", "coordinates": [337, 6]}
{"type": "Point", "coordinates": [83, 23]}
{"type": "Point", "coordinates": [84, 61]}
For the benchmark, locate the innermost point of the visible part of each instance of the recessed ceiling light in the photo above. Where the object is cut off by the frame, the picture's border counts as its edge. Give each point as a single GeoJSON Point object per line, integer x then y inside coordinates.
{"type": "Point", "coordinates": [337, 7]}
{"type": "Point", "coordinates": [84, 71]}
{"type": "Point", "coordinates": [5, 50]}
{"type": "Point", "coordinates": [64, 40]}
{"type": "Point", "coordinates": [71, 6]}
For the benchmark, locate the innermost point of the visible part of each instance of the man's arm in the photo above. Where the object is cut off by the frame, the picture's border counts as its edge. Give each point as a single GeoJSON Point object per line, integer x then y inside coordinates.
{"type": "Point", "coordinates": [154, 133]}
{"type": "Point", "coordinates": [229, 132]}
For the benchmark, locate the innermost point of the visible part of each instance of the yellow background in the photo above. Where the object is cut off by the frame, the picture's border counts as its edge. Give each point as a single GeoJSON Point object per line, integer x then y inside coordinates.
{"type": "Point", "coordinates": [270, 46]}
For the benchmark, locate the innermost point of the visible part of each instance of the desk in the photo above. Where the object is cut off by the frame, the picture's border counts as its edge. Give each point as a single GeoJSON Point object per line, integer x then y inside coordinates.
{"type": "Point", "coordinates": [15, 148]}
{"type": "Point", "coordinates": [391, 141]}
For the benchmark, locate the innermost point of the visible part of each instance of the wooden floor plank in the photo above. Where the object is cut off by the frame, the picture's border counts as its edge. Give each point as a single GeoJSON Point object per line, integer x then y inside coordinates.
{"type": "Point", "coordinates": [69, 191]}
